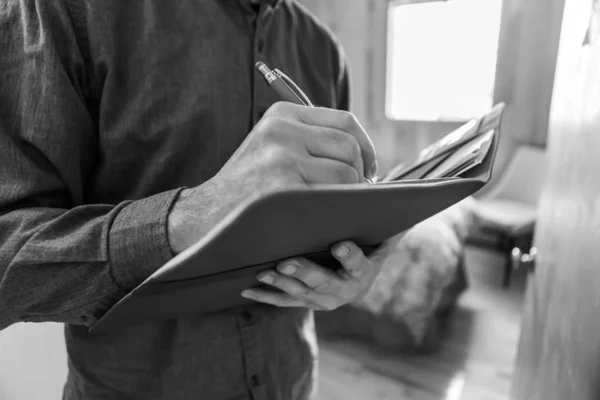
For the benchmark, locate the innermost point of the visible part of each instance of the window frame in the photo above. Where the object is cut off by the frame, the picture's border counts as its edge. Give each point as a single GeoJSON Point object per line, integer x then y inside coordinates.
{"type": "Point", "coordinates": [449, 122]}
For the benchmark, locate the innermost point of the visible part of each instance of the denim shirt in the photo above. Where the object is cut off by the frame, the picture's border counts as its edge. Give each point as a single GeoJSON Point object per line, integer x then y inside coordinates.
{"type": "Point", "coordinates": [108, 109]}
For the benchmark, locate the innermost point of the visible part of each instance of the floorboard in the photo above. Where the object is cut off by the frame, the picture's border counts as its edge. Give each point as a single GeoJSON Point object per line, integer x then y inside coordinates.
{"type": "Point", "coordinates": [475, 361]}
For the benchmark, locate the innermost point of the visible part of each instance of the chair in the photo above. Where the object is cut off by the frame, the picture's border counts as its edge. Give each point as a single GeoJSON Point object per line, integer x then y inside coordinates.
{"type": "Point", "coordinates": [509, 209]}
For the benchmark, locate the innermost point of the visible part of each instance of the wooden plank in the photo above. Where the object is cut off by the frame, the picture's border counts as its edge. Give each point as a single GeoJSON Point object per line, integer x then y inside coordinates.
{"type": "Point", "coordinates": [559, 354]}
{"type": "Point", "coordinates": [347, 376]}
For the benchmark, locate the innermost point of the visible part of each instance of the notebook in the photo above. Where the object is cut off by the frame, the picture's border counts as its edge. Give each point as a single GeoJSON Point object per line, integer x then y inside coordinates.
{"type": "Point", "coordinates": [209, 276]}
{"type": "Point", "coordinates": [419, 166]}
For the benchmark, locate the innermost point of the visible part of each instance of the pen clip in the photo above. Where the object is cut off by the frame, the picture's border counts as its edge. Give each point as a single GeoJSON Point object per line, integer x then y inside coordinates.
{"type": "Point", "coordinates": [293, 86]}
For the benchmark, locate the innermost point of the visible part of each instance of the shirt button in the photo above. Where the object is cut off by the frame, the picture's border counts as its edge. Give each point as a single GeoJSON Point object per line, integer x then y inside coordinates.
{"type": "Point", "coordinates": [260, 46]}
{"type": "Point", "coordinates": [247, 316]}
{"type": "Point", "coordinates": [254, 380]}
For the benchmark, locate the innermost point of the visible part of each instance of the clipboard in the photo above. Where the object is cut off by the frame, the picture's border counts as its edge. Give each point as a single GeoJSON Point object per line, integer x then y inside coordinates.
{"type": "Point", "coordinates": [209, 276]}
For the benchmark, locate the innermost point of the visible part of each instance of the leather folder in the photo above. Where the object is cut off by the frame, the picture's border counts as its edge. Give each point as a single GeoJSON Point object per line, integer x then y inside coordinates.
{"type": "Point", "coordinates": [209, 276]}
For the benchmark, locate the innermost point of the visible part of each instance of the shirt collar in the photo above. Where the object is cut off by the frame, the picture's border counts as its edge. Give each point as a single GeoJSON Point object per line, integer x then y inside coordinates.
{"type": "Point", "coordinates": [272, 3]}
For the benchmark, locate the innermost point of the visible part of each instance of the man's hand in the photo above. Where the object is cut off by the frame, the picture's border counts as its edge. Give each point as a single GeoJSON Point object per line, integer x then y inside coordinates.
{"type": "Point", "coordinates": [291, 146]}
{"type": "Point", "coordinates": [306, 284]}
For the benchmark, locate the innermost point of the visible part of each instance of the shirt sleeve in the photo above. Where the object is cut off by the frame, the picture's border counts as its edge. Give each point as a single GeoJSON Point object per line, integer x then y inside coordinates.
{"type": "Point", "coordinates": [60, 259]}
{"type": "Point", "coordinates": [343, 85]}
{"type": "Point", "coordinates": [343, 79]}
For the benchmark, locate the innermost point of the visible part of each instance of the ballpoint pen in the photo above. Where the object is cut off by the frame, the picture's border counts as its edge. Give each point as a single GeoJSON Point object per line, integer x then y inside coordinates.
{"type": "Point", "coordinates": [283, 85]}
{"type": "Point", "coordinates": [286, 88]}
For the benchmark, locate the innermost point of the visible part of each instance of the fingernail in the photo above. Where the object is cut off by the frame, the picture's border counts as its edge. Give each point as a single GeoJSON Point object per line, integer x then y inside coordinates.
{"type": "Point", "coordinates": [342, 251]}
{"type": "Point", "coordinates": [289, 269]}
{"type": "Point", "coordinates": [266, 278]}
{"type": "Point", "coordinates": [247, 294]}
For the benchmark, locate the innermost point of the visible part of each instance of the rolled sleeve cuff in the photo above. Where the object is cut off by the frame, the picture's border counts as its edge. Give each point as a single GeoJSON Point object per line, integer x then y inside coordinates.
{"type": "Point", "coordinates": [139, 240]}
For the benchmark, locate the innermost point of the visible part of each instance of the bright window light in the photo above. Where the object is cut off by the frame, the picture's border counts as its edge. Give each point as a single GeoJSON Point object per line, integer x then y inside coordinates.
{"type": "Point", "coordinates": [441, 59]}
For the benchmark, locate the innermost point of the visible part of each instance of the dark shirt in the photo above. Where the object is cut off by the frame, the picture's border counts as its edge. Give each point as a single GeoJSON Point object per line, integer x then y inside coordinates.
{"type": "Point", "coordinates": [107, 110]}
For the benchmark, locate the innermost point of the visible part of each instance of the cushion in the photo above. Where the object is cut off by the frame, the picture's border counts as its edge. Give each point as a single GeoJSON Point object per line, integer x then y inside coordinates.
{"type": "Point", "coordinates": [419, 283]}
{"type": "Point", "coordinates": [505, 215]}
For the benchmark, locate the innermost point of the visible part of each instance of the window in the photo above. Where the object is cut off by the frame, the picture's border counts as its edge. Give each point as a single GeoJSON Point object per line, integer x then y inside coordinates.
{"type": "Point", "coordinates": [441, 59]}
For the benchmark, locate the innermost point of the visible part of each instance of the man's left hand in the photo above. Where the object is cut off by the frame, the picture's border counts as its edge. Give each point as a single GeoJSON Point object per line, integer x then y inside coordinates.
{"type": "Point", "coordinates": [302, 283]}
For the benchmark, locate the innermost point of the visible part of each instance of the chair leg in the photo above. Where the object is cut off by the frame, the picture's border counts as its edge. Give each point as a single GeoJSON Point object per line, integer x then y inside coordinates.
{"type": "Point", "coordinates": [511, 242]}
{"type": "Point", "coordinates": [501, 243]}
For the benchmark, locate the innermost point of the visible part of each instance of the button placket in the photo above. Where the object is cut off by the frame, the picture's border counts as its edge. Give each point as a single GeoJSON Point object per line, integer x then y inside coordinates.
{"type": "Point", "coordinates": [260, 46]}
{"type": "Point", "coordinates": [260, 51]}
{"type": "Point", "coordinates": [253, 359]}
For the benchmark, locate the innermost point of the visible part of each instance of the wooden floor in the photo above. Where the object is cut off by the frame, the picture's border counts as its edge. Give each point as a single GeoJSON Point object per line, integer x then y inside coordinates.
{"type": "Point", "coordinates": [475, 361]}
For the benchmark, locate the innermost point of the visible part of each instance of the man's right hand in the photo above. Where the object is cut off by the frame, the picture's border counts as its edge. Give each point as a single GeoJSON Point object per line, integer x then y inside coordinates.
{"type": "Point", "coordinates": [291, 146]}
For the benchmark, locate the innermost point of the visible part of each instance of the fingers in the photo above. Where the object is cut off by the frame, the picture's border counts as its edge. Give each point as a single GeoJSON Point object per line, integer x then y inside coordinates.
{"type": "Point", "coordinates": [312, 275]}
{"type": "Point", "coordinates": [315, 142]}
{"type": "Point", "coordinates": [325, 171]}
{"type": "Point", "coordinates": [273, 298]}
{"type": "Point", "coordinates": [334, 144]}
{"type": "Point", "coordinates": [305, 284]}
{"type": "Point", "coordinates": [352, 258]}
{"type": "Point", "coordinates": [335, 119]}
{"type": "Point", "coordinates": [347, 122]}
{"type": "Point", "coordinates": [293, 287]}
{"type": "Point", "coordinates": [295, 293]}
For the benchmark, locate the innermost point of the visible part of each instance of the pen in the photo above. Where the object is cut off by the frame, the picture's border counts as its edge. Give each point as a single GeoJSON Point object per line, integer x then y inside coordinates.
{"type": "Point", "coordinates": [286, 88]}
{"type": "Point", "coordinates": [283, 85]}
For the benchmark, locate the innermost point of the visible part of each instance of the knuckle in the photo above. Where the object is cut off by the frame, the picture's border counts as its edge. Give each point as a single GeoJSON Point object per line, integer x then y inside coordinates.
{"type": "Point", "coordinates": [272, 126]}
{"type": "Point", "coordinates": [346, 174]}
{"type": "Point", "coordinates": [354, 149]}
{"type": "Point", "coordinates": [278, 156]}
{"type": "Point", "coordinates": [348, 119]}
{"type": "Point", "coordinates": [274, 152]}
{"type": "Point", "coordinates": [324, 285]}
{"type": "Point", "coordinates": [348, 143]}
{"type": "Point", "coordinates": [359, 272]}
{"type": "Point", "coordinates": [279, 108]}
{"type": "Point", "coordinates": [305, 292]}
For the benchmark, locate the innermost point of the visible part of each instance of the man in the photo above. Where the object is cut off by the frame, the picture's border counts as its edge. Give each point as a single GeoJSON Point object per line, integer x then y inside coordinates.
{"type": "Point", "coordinates": [127, 130]}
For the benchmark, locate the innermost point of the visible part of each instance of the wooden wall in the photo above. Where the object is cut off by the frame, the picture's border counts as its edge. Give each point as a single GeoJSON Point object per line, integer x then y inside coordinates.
{"type": "Point", "coordinates": [525, 74]}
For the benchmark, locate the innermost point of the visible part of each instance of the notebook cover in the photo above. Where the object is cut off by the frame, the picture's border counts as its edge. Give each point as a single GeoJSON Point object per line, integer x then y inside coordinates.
{"type": "Point", "coordinates": [210, 275]}
{"type": "Point", "coordinates": [437, 152]}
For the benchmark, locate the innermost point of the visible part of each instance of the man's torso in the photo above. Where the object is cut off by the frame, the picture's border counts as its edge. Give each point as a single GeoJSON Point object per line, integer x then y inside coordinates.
{"type": "Point", "coordinates": [174, 93]}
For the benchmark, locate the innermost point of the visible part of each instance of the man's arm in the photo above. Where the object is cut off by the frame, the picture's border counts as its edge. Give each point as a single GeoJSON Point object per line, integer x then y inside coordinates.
{"type": "Point", "coordinates": [60, 260]}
